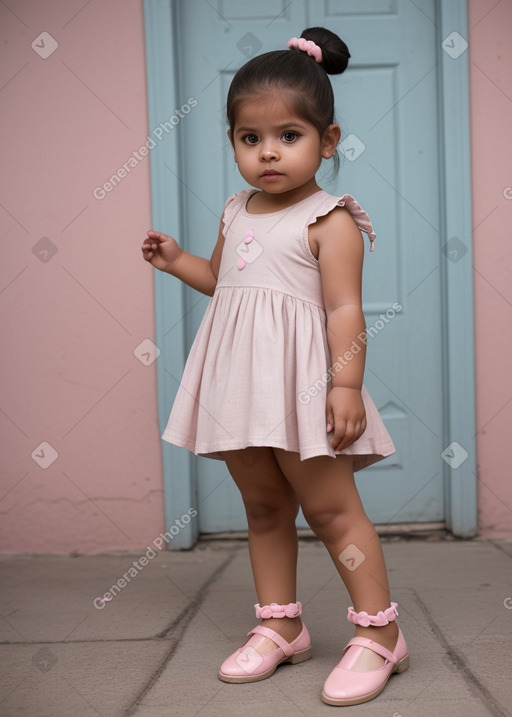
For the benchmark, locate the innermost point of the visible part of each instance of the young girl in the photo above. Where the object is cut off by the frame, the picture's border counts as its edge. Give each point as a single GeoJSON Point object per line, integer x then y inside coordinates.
{"type": "Point", "coordinates": [273, 384]}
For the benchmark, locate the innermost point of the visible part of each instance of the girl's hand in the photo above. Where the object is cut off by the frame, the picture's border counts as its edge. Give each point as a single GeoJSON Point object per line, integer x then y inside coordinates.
{"type": "Point", "coordinates": [161, 251]}
{"type": "Point", "coordinates": [345, 413]}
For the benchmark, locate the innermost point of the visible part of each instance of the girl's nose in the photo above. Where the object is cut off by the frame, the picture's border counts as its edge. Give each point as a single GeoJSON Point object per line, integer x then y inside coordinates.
{"type": "Point", "coordinates": [268, 153]}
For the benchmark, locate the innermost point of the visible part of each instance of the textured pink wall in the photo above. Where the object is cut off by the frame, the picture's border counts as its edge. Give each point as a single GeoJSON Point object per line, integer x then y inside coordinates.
{"type": "Point", "coordinates": [490, 56]}
{"type": "Point", "coordinates": [71, 321]}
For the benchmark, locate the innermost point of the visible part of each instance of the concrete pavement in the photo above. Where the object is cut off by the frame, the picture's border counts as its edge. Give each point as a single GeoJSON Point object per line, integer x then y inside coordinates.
{"type": "Point", "coordinates": [154, 649]}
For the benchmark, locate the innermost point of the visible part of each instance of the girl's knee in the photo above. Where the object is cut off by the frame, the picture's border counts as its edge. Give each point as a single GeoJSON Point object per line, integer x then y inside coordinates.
{"type": "Point", "coordinates": [264, 515]}
{"type": "Point", "coordinates": [325, 523]}
{"type": "Point", "coordinates": [331, 524]}
{"type": "Point", "coordinates": [268, 498]}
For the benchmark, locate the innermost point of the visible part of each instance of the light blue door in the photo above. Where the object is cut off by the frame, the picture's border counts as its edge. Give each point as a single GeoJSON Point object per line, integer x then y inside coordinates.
{"type": "Point", "coordinates": [387, 106]}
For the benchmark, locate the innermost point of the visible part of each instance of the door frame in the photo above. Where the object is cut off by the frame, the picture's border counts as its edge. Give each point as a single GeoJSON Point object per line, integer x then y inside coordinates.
{"type": "Point", "coordinates": [460, 483]}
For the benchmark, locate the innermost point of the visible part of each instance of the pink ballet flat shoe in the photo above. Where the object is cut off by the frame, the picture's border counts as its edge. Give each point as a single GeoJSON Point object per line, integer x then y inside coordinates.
{"type": "Point", "coordinates": [345, 686]}
{"type": "Point", "coordinates": [247, 665]}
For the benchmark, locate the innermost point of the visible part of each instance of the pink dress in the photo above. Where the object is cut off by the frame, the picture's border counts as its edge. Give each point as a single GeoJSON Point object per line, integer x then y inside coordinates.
{"type": "Point", "coordinates": [258, 370]}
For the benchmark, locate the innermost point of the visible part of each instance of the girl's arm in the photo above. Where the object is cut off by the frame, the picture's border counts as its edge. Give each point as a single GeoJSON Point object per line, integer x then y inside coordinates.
{"type": "Point", "coordinates": [163, 253]}
{"type": "Point", "coordinates": [340, 257]}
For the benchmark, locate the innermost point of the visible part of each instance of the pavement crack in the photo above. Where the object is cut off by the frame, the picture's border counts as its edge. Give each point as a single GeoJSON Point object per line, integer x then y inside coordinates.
{"type": "Point", "coordinates": [499, 547]}
{"type": "Point", "coordinates": [458, 659]}
{"type": "Point", "coordinates": [180, 624]}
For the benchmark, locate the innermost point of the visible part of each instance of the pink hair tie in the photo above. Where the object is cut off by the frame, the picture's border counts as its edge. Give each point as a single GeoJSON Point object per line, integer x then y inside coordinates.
{"type": "Point", "coordinates": [306, 46]}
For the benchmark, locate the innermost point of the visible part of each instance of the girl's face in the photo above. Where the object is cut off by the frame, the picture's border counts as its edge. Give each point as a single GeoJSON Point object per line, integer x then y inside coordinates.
{"type": "Point", "coordinates": [277, 151]}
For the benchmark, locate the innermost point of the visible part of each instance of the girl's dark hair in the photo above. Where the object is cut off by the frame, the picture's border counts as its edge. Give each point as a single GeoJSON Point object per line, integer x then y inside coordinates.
{"type": "Point", "coordinates": [297, 74]}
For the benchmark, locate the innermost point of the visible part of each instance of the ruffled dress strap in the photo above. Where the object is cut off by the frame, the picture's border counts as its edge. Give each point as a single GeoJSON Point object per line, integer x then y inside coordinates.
{"type": "Point", "coordinates": [347, 201]}
{"type": "Point", "coordinates": [233, 205]}
{"type": "Point", "coordinates": [360, 217]}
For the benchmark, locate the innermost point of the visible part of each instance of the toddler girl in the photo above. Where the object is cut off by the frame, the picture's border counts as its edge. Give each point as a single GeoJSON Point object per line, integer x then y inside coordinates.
{"type": "Point", "coordinates": [268, 387]}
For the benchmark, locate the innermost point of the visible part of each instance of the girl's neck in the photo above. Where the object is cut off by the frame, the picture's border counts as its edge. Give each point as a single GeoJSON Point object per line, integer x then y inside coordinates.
{"type": "Point", "coordinates": [265, 203]}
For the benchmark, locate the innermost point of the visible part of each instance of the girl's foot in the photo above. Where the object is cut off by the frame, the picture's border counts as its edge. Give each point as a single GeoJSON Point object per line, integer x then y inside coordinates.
{"type": "Point", "coordinates": [275, 640]}
{"type": "Point", "coordinates": [370, 658]}
{"type": "Point", "coordinates": [386, 636]}
{"type": "Point", "coordinates": [288, 627]}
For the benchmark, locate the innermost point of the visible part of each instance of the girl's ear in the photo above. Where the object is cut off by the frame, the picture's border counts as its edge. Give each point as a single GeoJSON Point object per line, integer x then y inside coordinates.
{"type": "Point", "coordinates": [330, 140]}
{"type": "Point", "coordinates": [231, 140]}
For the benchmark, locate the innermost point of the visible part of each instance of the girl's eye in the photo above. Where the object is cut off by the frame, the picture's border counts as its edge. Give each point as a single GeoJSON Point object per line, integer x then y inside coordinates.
{"type": "Point", "coordinates": [290, 136]}
{"type": "Point", "coordinates": [250, 139]}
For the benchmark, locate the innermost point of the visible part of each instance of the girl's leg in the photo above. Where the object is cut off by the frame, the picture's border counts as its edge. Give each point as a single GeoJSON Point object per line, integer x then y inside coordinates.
{"type": "Point", "coordinates": [331, 504]}
{"type": "Point", "coordinates": [271, 507]}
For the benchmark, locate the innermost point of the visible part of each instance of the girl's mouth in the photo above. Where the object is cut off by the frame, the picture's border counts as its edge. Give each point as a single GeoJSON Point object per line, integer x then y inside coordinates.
{"type": "Point", "coordinates": [270, 174]}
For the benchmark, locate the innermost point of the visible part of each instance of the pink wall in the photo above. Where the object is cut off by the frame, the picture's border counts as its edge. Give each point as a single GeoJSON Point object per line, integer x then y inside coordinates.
{"type": "Point", "coordinates": [72, 322]}
{"type": "Point", "coordinates": [491, 119]}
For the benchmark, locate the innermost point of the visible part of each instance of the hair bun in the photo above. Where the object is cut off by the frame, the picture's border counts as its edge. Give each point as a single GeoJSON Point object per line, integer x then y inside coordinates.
{"type": "Point", "coordinates": [335, 53]}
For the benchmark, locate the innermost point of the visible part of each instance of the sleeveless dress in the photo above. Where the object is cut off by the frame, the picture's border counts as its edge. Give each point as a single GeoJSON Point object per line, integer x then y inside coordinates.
{"type": "Point", "coordinates": [258, 370]}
